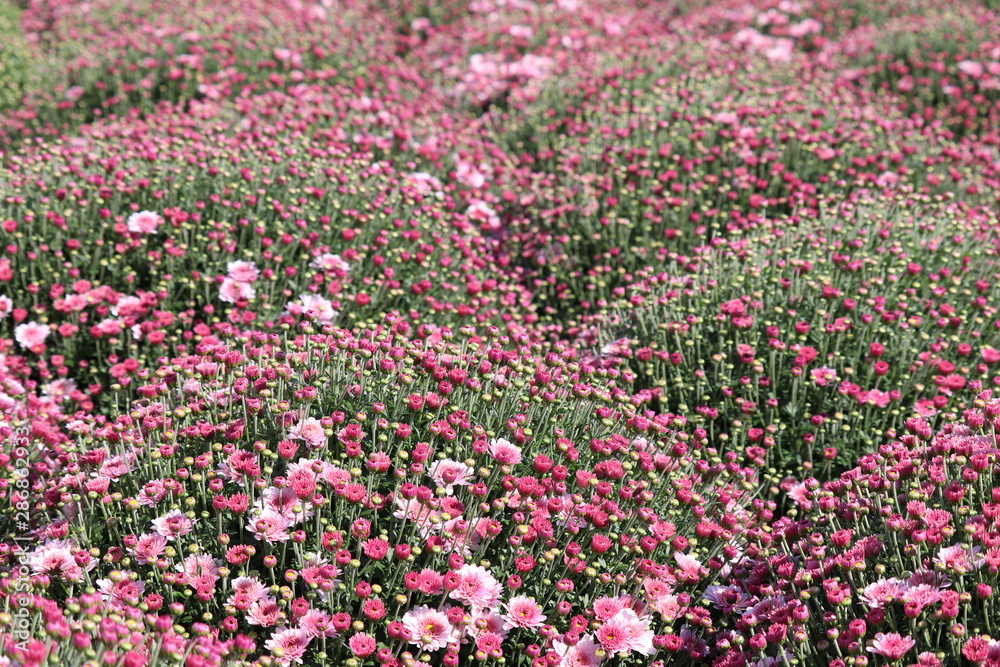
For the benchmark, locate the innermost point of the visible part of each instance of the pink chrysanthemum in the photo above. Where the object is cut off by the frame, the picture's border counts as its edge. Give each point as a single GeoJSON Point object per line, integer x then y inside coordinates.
{"type": "Point", "coordinates": [476, 588]}
{"type": "Point", "coordinates": [270, 527]}
{"type": "Point", "coordinates": [362, 645]}
{"type": "Point", "coordinates": [149, 547]}
{"type": "Point", "coordinates": [504, 451]}
{"type": "Point", "coordinates": [583, 654]}
{"type": "Point", "coordinates": [121, 593]}
{"type": "Point", "coordinates": [173, 524]}
{"type": "Point", "coordinates": [429, 628]}
{"type": "Point", "coordinates": [448, 474]}
{"type": "Point", "coordinates": [310, 431]}
{"type": "Point", "coordinates": [289, 645]}
{"type": "Point", "coordinates": [523, 612]}
{"type": "Point", "coordinates": [626, 632]}
{"type": "Point", "coordinates": [143, 222]}
{"type": "Point", "coordinates": [244, 272]}
{"type": "Point", "coordinates": [891, 645]}
{"type": "Point", "coordinates": [31, 334]}
{"type": "Point", "coordinates": [232, 291]}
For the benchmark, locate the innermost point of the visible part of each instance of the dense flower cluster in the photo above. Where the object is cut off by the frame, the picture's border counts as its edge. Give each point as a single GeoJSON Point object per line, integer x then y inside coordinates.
{"type": "Point", "coordinates": [558, 333]}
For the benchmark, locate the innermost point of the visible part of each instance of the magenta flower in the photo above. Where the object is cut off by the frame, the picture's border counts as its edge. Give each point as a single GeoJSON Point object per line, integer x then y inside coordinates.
{"type": "Point", "coordinates": [891, 645]}
{"type": "Point", "coordinates": [362, 645]}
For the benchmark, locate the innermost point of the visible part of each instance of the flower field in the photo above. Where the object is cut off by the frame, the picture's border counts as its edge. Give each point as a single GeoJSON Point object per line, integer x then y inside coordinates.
{"type": "Point", "coordinates": [531, 333]}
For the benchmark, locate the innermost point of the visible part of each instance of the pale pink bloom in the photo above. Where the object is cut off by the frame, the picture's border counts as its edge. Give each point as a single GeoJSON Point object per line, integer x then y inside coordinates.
{"type": "Point", "coordinates": [422, 182]}
{"type": "Point", "coordinates": [143, 222]}
{"type": "Point", "coordinates": [270, 527]}
{"type": "Point", "coordinates": [921, 596]}
{"type": "Point", "coordinates": [470, 175]}
{"type": "Point", "coordinates": [127, 306]}
{"type": "Point", "coordinates": [448, 474]}
{"type": "Point", "coordinates": [489, 643]}
{"type": "Point", "coordinates": [972, 68]}
{"type": "Point", "coordinates": [823, 375]}
{"type": "Point", "coordinates": [523, 612]}
{"type": "Point", "coordinates": [244, 272]}
{"type": "Point", "coordinates": [152, 493]}
{"type": "Point", "coordinates": [429, 628]}
{"type": "Point", "coordinates": [626, 632]}
{"type": "Point", "coordinates": [309, 430]}
{"type": "Point", "coordinates": [891, 645]}
{"type": "Point", "coordinates": [232, 291]}
{"type": "Point", "coordinates": [690, 566]}
{"type": "Point", "coordinates": [959, 559]}
{"type": "Point", "coordinates": [6, 306]}
{"type": "Point", "coordinates": [200, 566]}
{"type": "Point", "coordinates": [780, 52]}
{"type": "Point", "coordinates": [482, 212]}
{"type": "Point", "coordinates": [362, 645]}
{"type": "Point", "coordinates": [728, 599]}
{"type": "Point", "coordinates": [313, 304]}
{"type": "Point", "coordinates": [55, 558]}
{"type": "Point", "coordinates": [477, 587]}
{"type": "Point", "coordinates": [491, 621]}
{"type": "Point", "coordinates": [330, 262]}
{"type": "Point", "coordinates": [173, 524]}
{"type": "Point", "coordinates": [251, 587]}
{"type": "Point", "coordinates": [583, 654]}
{"type": "Point", "coordinates": [318, 624]}
{"type": "Point", "coordinates": [806, 27]}
{"type": "Point", "coordinates": [123, 593]}
{"type": "Point", "coordinates": [505, 451]}
{"type": "Point", "coordinates": [149, 547]}
{"type": "Point", "coordinates": [31, 334]}
{"type": "Point", "coordinates": [288, 645]}
{"type": "Point", "coordinates": [606, 607]}
{"type": "Point", "coordinates": [265, 612]}
{"type": "Point", "coordinates": [882, 592]}
{"type": "Point", "coordinates": [115, 467]}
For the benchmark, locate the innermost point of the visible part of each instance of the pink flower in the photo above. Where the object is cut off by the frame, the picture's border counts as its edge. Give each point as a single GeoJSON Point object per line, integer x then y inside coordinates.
{"type": "Point", "coordinates": [972, 68]}
{"type": "Point", "coordinates": [505, 452]}
{"type": "Point", "coordinates": [429, 628]}
{"type": "Point", "coordinates": [882, 592]}
{"type": "Point", "coordinates": [309, 430]}
{"type": "Point", "coordinates": [448, 474]}
{"type": "Point", "coordinates": [823, 375]}
{"type": "Point", "coordinates": [330, 262]}
{"type": "Point", "coordinates": [55, 558]}
{"type": "Point", "coordinates": [6, 305]}
{"type": "Point", "coordinates": [362, 645]}
{"type": "Point", "coordinates": [523, 612]}
{"type": "Point", "coordinates": [264, 612]}
{"type": "Point", "coordinates": [120, 591]}
{"type": "Point", "coordinates": [244, 272]}
{"type": "Point", "coordinates": [144, 222]}
{"type": "Point", "coordinates": [173, 524]}
{"type": "Point", "coordinates": [626, 632]}
{"type": "Point", "coordinates": [891, 645]}
{"type": "Point", "coordinates": [289, 645]}
{"type": "Point", "coordinates": [313, 304]}
{"type": "Point", "coordinates": [31, 334]}
{"type": "Point", "coordinates": [477, 587]}
{"type": "Point", "coordinates": [583, 654]}
{"type": "Point", "coordinates": [270, 527]}
{"type": "Point", "coordinates": [149, 547]}
{"type": "Point", "coordinates": [232, 291]}
{"type": "Point", "coordinates": [959, 559]}
{"type": "Point", "coordinates": [318, 624]}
